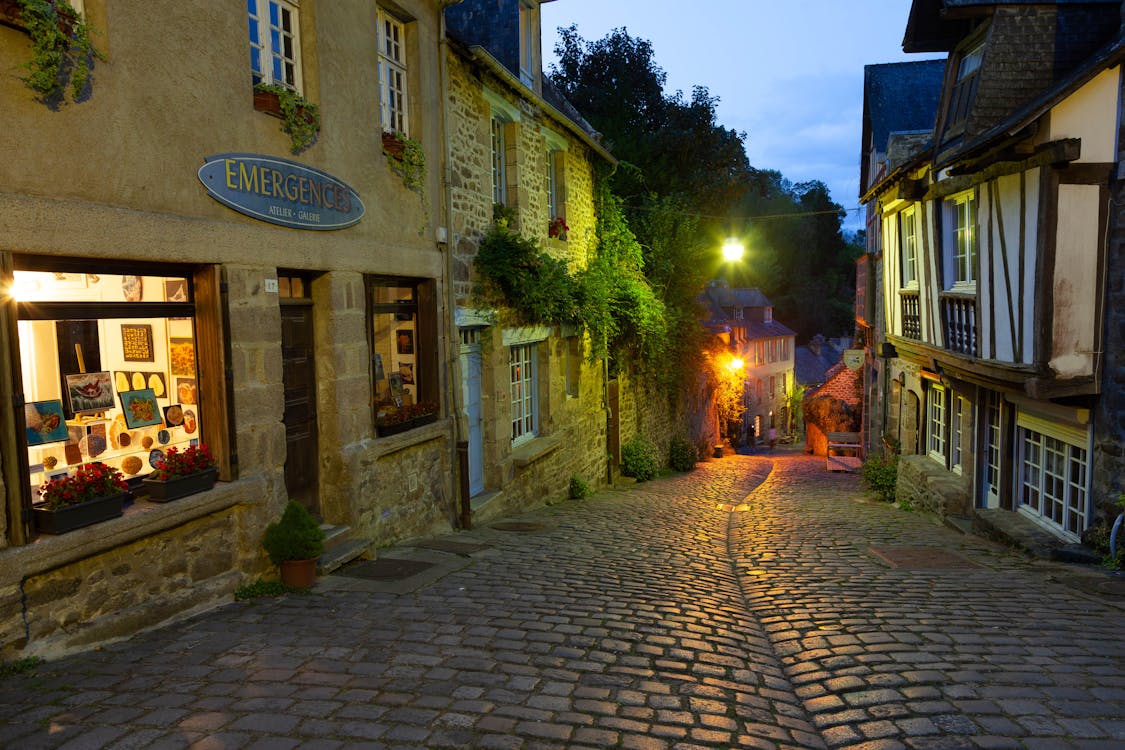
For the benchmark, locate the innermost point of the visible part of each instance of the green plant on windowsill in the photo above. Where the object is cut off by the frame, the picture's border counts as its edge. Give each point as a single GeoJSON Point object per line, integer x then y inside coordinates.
{"type": "Point", "coordinates": [407, 160]}
{"type": "Point", "coordinates": [61, 50]}
{"type": "Point", "coordinates": [300, 118]}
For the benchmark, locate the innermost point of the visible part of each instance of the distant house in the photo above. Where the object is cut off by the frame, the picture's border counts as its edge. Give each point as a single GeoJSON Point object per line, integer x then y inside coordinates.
{"type": "Point", "coordinates": [1000, 371]}
{"type": "Point", "coordinates": [744, 318]}
{"type": "Point", "coordinates": [842, 384]}
{"type": "Point", "coordinates": [812, 361]}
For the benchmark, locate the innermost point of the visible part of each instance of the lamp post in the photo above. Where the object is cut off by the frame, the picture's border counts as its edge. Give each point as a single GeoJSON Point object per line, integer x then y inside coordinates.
{"type": "Point", "coordinates": [732, 250]}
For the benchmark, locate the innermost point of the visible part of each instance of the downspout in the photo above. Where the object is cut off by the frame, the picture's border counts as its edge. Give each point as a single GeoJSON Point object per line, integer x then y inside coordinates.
{"type": "Point", "coordinates": [459, 453]}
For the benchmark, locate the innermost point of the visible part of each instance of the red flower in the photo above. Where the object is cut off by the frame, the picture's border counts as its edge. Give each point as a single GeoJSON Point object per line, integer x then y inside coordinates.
{"type": "Point", "coordinates": [89, 482]}
{"type": "Point", "coordinates": [195, 459]}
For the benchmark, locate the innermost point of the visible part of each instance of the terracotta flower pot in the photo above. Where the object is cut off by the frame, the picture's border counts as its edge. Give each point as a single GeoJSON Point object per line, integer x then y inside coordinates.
{"type": "Point", "coordinates": [298, 574]}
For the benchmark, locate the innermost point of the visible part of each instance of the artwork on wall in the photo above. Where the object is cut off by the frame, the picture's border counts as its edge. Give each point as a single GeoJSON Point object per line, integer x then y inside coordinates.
{"type": "Point", "coordinates": [185, 391]}
{"type": "Point", "coordinates": [89, 392]}
{"type": "Point", "coordinates": [379, 367]}
{"type": "Point", "coordinates": [405, 339]}
{"type": "Point", "coordinates": [176, 290]}
{"type": "Point", "coordinates": [140, 408]}
{"type": "Point", "coordinates": [174, 415]}
{"type": "Point", "coordinates": [406, 370]}
{"type": "Point", "coordinates": [136, 342]}
{"type": "Point", "coordinates": [131, 288]}
{"type": "Point", "coordinates": [395, 381]}
{"type": "Point", "coordinates": [45, 422]}
{"type": "Point", "coordinates": [181, 355]}
{"type": "Point", "coordinates": [134, 380]}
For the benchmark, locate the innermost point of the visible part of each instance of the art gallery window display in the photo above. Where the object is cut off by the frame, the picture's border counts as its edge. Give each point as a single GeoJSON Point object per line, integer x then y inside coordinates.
{"type": "Point", "coordinates": [108, 369]}
{"type": "Point", "coordinates": [402, 329]}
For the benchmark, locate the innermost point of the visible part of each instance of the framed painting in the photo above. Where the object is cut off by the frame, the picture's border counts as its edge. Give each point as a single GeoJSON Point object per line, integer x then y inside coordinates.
{"type": "Point", "coordinates": [45, 422]}
{"type": "Point", "coordinates": [140, 409]}
{"type": "Point", "coordinates": [176, 290]}
{"type": "Point", "coordinates": [136, 342]}
{"type": "Point", "coordinates": [185, 391]}
{"type": "Point", "coordinates": [89, 392]}
{"type": "Point", "coordinates": [405, 340]}
{"type": "Point", "coordinates": [181, 356]}
{"type": "Point", "coordinates": [406, 369]}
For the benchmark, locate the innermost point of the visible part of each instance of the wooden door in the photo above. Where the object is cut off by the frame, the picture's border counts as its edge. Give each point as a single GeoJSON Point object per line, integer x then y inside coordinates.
{"type": "Point", "coordinates": [298, 362]}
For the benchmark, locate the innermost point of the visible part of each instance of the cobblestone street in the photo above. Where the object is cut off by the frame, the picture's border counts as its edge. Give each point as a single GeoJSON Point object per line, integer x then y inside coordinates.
{"type": "Point", "coordinates": [757, 602]}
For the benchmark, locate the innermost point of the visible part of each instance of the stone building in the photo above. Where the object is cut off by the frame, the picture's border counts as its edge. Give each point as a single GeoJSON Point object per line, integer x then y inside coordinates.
{"type": "Point", "coordinates": [996, 267]}
{"type": "Point", "coordinates": [532, 408]}
{"type": "Point", "coordinates": [175, 245]}
{"type": "Point", "coordinates": [744, 319]}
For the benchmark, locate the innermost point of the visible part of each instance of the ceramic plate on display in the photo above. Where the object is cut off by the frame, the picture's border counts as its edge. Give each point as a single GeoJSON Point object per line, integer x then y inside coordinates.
{"type": "Point", "coordinates": [124, 440]}
{"type": "Point", "coordinates": [156, 383]}
{"type": "Point", "coordinates": [95, 445]}
{"type": "Point", "coordinates": [164, 437]}
{"type": "Point", "coordinates": [122, 381]}
{"type": "Point", "coordinates": [146, 442]}
{"type": "Point", "coordinates": [189, 421]}
{"type": "Point", "coordinates": [138, 381]}
{"type": "Point", "coordinates": [132, 464]}
{"type": "Point", "coordinates": [155, 456]}
{"type": "Point", "coordinates": [173, 415]}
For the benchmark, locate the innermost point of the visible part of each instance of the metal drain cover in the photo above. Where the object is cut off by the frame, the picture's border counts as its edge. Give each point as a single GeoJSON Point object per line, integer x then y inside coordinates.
{"type": "Point", "coordinates": [385, 569]}
{"type": "Point", "coordinates": [922, 558]}
{"type": "Point", "coordinates": [519, 526]}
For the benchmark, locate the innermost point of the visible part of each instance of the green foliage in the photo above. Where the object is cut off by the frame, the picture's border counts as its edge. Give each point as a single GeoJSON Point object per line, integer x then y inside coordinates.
{"type": "Point", "coordinates": [518, 275]}
{"type": "Point", "coordinates": [61, 50]}
{"type": "Point", "coordinates": [1097, 538]}
{"type": "Point", "coordinates": [263, 589]}
{"type": "Point", "coordinates": [411, 165]}
{"type": "Point", "coordinates": [297, 536]}
{"type": "Point", "coordinates": [300, 118]}
{"type": "Point", "coordinates": [579, 489]}
{"type": "Point", "coordinates": [503, 216]}
{"type": "Point", "coordinates": [26, 665]}
{"type": "Point", "coordinates": [638, 459]}
{"type": "Point", "coordinates": [681, 454]}
{"type": "Point", "coordinates": [831, 414]}
{"type": "Point", "coordinates": [879, 473]}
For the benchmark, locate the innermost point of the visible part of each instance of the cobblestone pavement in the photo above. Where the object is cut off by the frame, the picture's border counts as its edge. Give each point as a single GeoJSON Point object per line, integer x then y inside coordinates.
{"type": "Point", "coordinates": [651, 617]}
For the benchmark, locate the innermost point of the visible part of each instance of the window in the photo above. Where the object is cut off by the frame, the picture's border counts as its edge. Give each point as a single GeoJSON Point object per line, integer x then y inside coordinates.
{"type": "Point", "coordinates": [992, 452]}
{"type": "Point", "coordinates": [908, 228]}
{"type": "Point", "coordinates": [773, 387]}
{"type": "Point", "coordinates": [961, 242]}
{"type": "Point", "coordinates": [957, 433]}
{"type": "Point", "coordinates": [773, 350]}
{"type": "Point", "coordinates": [275, 49]}
{"type": "Point", "coordinates": [499, 177]}
{"type": "Point", "coordinates": [935, 398]}
{"type": "Point", "coordinates": [109, 366]}
{"type": "Point", "coordinates": [1053, 481]}
{"type": "Point", "coordinates": [402, 337]}
{"type": "Point", "coordinates": [524, 391]}
{"type": "Point", "coordinates": [527, 45]}
{"type": "Point", "coordinates": [392, 73]}
{"type": "Point", "coordinates": [760, 351]}
{"type": "Point", "coordinates": [556, 201]}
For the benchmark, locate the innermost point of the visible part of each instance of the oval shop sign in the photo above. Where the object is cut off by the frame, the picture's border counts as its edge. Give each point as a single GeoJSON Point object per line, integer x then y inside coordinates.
{"type": "Point", "coordinates": [280, 191]}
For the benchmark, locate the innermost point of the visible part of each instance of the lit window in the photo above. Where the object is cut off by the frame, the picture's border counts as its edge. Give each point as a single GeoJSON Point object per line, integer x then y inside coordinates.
{"type": "Point", "coordinates": [957, 433]}
{"type": "Point", "coordinates": [392, 73]}
{"type": "Point", "coordinates": [961, 243]}
{"type": "Point", "coordinates": [403, 348]}
{"type": "Point", "coordinates": [275, 49]}
{"type": "Point", "coordinates": [936, 423]}
{"type": "Point", "coordinates": [908, 226]}
{"type": "Point", "coordinates": [524, 391]}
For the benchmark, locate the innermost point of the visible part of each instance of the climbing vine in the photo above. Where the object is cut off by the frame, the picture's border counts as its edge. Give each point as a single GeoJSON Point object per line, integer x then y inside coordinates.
{"type": "Point", "coordinates": [61, 51]}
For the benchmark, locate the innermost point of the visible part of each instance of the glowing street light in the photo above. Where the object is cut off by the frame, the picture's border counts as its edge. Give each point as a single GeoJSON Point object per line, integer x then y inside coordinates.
{"type": "Point", "coordinates": [735, 364]}
{"type": "Point", "coordinates": [732, 250]}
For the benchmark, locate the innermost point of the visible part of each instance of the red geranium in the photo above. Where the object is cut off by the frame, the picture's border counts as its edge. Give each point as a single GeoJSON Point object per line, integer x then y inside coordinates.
{"type": "Point", "coordinates": [195, 459]}
{"type": "Point", "coordinates": [89, 482]}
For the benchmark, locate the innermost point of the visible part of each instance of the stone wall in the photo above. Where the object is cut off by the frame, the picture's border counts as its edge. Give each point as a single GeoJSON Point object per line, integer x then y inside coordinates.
{"type": "Point", "coordinates": [931, 488]}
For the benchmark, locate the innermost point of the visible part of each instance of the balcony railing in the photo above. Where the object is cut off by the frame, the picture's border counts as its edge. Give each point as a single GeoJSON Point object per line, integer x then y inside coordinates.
{"type": "Point", "coordinates": [911, 315]}
{"type": "Point", "coordinates": [959, 323]}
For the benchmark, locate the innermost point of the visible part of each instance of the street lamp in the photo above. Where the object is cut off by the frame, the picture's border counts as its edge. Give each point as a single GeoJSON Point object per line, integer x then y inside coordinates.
{"type": "Point", "coordinates": [732, 250]}
{"type": "Point", "coordinates": [735, 364]}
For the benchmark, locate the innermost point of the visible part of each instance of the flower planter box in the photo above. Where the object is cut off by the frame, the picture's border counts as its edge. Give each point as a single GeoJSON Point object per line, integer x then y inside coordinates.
{"type": "Point", "coordinates": [394, 429]}
{"type": "Point", "coordinates": [163, 490]}
{"type": "Point", "coordinates": [74, 517]}
{"type": "Point", "coordinates": [268, 102]}
{"type": "Point", "coordinates": [392, 146]}
{"type": "Point", "coordinates": [10, 14]}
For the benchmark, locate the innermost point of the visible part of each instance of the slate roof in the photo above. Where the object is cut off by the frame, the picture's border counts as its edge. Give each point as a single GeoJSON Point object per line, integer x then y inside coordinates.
{"type": "Point", "coordinates": [720, 301]}
{"type": "Point", "coordinates": [898, 98]}
{"type": "Point", "coordinates": [811, 367]}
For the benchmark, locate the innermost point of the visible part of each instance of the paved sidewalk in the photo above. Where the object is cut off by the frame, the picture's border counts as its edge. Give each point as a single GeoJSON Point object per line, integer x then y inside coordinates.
{"type": "Point", "coordinates": [652, 617]}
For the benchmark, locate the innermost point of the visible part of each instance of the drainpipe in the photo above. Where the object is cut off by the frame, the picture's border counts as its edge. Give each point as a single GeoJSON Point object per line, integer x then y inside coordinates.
{"type": "Point", "coordinates": [460, 452]}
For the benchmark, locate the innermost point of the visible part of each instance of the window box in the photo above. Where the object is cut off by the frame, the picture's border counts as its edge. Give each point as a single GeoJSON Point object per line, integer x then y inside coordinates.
{"type": "Point", "coordinates": [10, 14]}
{"type": "Point", "coordinates": [392, 146]}
{"type": "Point", "coordinates": [163, 490]}
{"type": "Point", "coordinates": [77, 516]}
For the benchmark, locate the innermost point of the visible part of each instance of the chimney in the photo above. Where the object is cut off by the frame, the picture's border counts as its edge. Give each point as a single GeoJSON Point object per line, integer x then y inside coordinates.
{"type": "Point", "coordinates": [815, 344]}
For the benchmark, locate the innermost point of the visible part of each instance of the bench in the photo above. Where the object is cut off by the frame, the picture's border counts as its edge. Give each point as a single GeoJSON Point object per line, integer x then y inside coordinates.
{"type": "Point", "coordinates": [843, 442]}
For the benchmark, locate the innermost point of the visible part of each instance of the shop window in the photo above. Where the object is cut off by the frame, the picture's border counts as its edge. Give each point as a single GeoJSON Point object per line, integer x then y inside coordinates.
{"type": "Point", "coordinates": [109, 367]}
{"type": "Point", "coordinates": [275, 43]}
{"type": "Point", "coordinates": [392, 73]}
{"type": "Point", "coordinates": [403, 341]}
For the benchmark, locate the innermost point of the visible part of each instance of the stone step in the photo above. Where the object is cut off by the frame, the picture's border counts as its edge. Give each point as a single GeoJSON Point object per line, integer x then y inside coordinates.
{"type": "Point", "coordinates": [334, 535]}
{"type": "Point", "coordinates": [341, 554]}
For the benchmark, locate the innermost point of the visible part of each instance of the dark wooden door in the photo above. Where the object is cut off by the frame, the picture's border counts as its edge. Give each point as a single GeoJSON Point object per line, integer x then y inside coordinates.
{"type": "Point", "coordinates": [299, 377]}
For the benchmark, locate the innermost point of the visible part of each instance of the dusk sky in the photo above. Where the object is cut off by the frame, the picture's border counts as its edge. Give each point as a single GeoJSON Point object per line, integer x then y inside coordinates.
{"type": "Point", "coordinates": [788, 73]}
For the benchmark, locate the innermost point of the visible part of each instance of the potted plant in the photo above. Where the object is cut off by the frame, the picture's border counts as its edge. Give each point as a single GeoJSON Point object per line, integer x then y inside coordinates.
{"type": "Point", "coordinates": [62, 53]}
{"type": "Point", "coordinates": [422, 413]}
{"type": "Point", "coordinates": [294, 543]}
{"type": "Point", "coordinates": [557, 229]}
{"type": "Point", "coordinates": [95, 492]}
{"type": "Point", "coordinates": [179, 474]}
{"type": "Point", "coordinates": [300, 118]}
{"type": "Point", "coordinates": [407, 160]}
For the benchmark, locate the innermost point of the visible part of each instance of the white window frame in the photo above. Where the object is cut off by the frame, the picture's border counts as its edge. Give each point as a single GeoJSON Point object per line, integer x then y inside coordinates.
{"type": "Point", "coordinates": [498, 147]}
{"type": "Point", "coordinates": [269, 42]}
{"type": "Point", "coordinates": [936, 419]}
{"type": "Point", "coordinates": [961, 241]}
{"type": "Point", "coordinates": [552, 184]}
{"type": "Point", "coordinates": [957, 433]}
{"type": "Point", "coordinates": [1053, 474]}
{"type": "Point", "coordinates": [908, 233]}
{"type": "Point", "coordinates": [393, 97]}
{"type": "Point", "coordinates": [527, 44]}
{"type": "Point", "coordinates": [523, 391]}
